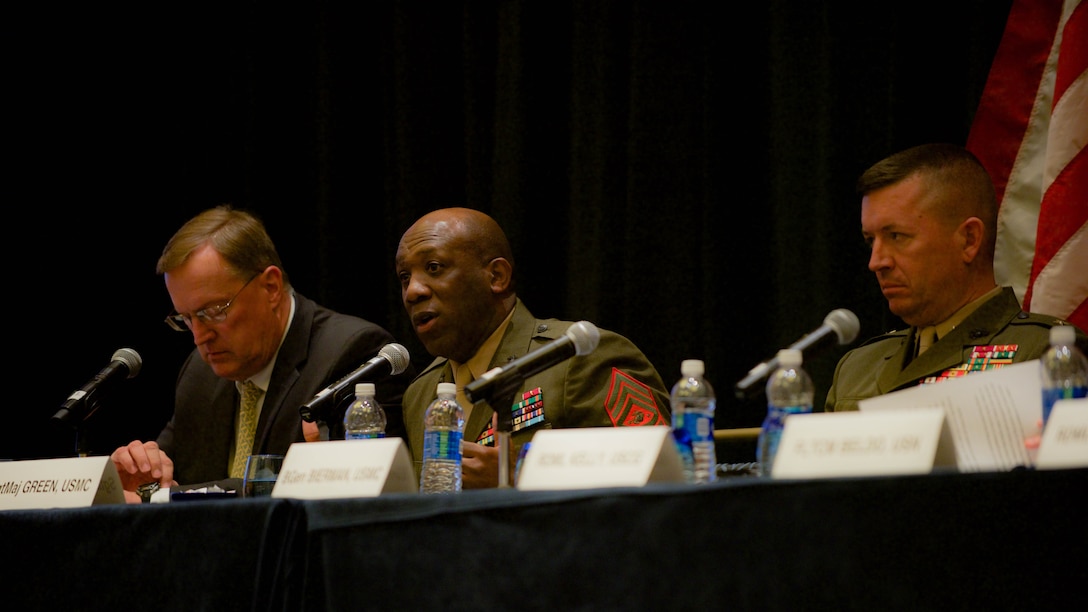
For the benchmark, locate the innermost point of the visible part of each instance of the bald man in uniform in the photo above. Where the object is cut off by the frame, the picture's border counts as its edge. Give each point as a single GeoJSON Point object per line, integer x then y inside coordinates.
{"type": "Point", "coordinates": [456, 271]}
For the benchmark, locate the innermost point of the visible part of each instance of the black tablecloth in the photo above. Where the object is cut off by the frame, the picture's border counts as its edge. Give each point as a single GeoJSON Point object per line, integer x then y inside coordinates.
{"type": "Point", "coordinates": [942, 541]}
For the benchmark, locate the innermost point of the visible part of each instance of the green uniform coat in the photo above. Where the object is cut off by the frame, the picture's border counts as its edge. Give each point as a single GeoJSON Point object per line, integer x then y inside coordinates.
{"type": "Point", "coordinates": [578, 392]}
{"type": "Point", "coordinates": [885, 363]}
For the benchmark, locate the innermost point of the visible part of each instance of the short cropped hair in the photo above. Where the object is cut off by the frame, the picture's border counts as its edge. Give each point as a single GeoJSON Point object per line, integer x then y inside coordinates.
{"type": "Point", "coordinates": [964, 187]}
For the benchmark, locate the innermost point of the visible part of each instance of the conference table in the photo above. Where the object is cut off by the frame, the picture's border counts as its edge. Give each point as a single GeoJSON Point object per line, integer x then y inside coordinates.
{"type": "Point", "coordinates": [940, 541]}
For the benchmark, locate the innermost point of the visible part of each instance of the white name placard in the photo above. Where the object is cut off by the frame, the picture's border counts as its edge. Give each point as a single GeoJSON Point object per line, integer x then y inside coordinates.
{"type": "Point", "coordinates": [71, 482]}
{"type": "Point", "coordinates": [346, 468]}
{"type": "Point", "coordinates": [592, 457]}
{"type": "Point", "coordinates": [837, 444]}
{"type": "Point", "coordinates": [1065, 438]}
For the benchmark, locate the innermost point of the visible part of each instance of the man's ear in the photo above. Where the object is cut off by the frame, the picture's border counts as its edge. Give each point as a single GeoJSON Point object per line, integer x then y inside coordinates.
{"type": "Point", "coordinates": [272, 282]}
{"type": "Point", "coordinates": [971, 232]}
{"type": "Point", "coordinates": [501, 273]}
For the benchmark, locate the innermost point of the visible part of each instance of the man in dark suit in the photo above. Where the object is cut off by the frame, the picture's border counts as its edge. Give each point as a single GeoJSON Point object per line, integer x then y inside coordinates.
{"type": "Point", "coordinates": [251, 330]}
{"type": "Point", "coordinates": [456, 271]}
{"type": "Point", "coordinates": [929, 215]}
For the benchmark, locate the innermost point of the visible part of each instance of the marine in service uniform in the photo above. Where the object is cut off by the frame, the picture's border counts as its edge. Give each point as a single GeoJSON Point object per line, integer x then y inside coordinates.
{"type": "Point", "coordinates": [996, 334]}
{"type": "Point", "coordinates": [614, 385]}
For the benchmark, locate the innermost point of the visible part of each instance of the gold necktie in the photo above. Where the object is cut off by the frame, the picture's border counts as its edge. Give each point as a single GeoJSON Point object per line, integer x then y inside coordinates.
{"type": "Point", "coordinates": [926, 337]}
{"type": "Point", "coordinates": [461, 377]}
{"type": "Point", "coordinates": [246, 428]}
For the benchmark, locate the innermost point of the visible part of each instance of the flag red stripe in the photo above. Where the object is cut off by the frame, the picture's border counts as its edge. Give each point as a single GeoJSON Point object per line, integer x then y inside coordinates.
{"type": "Point", "coordinates": [1062, 212]}
{"type": "Point", "coordinates": [1002, 116]}
{"type": "Point", "coordinates": [1079, 317]}
{"type": "Point", "coordinates": [1073, 60]}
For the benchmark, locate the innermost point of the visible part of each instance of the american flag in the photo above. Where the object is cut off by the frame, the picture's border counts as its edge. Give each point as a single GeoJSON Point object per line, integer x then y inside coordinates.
{"type": "Point", "coordinates": [1031, 133]}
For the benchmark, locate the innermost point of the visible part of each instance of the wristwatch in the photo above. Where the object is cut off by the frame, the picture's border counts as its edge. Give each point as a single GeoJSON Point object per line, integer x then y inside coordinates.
{"type": "Point", "coordinates": [146, 490]}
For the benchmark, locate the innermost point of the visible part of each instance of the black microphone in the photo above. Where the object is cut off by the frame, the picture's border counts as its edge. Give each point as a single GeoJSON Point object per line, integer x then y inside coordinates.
{"type": "Point", "coordinates": [125, 363]}
{"type": "Point", "coordinates": [579, 339]}
{"type": "Point", "coordinates": [840, 323]}
{"type": "Point", "coordinates": [391, 360]}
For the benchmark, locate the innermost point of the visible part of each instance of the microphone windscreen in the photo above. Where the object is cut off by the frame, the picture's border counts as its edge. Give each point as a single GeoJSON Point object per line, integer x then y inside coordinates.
{"type": "Point", "coordinates": [845, 323]}
{"type": "Point", "coordinates": [397, 356]}
{"type": "Point", "coordinates": [130, 358]}
{"type": "Point", "coordinates": [585, 336]}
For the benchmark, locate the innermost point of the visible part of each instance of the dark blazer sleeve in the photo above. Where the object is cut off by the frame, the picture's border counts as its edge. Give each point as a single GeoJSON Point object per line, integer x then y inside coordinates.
{"type": "Point", "coordinates": [329, 345]}
{"type": "Point", "coordinates": [321, 347]}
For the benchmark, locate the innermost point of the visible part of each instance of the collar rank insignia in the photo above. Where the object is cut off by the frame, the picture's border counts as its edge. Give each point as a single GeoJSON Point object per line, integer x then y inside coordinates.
{"type": "Point", "coordinates": [989, 357]}
{"type": "Point", "coordinates": [630, 402]}
{"type": "Point", "coordinates": [526, 413]}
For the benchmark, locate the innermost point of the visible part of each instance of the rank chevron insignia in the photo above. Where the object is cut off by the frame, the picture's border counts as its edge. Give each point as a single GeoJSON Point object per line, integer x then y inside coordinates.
{"type": "Point", "coordinates": [630, 402]}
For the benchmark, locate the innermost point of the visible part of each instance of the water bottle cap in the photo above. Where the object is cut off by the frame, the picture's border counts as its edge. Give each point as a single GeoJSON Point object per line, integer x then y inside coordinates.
{"type": "Point", "coordinates": [790, 358]}
{"type": "Point", "coordinates": [447, 388]}
{"type": "Point", "coordinates": [1062, 334]}
{"type": "Point", "coordinates": [364, 388]}
{"type": "Point", "coordinates": [692, 367]}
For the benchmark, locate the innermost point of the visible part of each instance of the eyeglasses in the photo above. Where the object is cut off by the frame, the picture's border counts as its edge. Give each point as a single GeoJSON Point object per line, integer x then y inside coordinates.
{"type": "Point", "coordinates": [208, 316]}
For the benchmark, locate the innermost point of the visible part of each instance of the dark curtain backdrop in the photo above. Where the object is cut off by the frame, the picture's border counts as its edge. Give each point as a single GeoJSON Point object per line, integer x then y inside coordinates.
{"type": "Point", "coordinates": [679, 172]}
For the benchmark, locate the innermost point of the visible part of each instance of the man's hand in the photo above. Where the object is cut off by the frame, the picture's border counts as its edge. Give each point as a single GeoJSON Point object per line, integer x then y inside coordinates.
{"type": "Point", "coordinates": [138, 463]}
{"type": "Point", "coordinates": [1032, 442]}
{"type": "Point", "coordinates": [479, 466]}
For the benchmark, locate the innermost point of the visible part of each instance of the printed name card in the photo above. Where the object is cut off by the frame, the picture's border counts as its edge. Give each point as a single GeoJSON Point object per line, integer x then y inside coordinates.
{"type": "Point", "coordinates": [1065, 438]}
{"type": "Point", "coordinates": [838, 444]}
{"type": "Point", "coordinates": [346, 468]}
{"type": "Point", "coordinates": [593, 457]}
{"type": "Point", "coordinates": [71, 482]}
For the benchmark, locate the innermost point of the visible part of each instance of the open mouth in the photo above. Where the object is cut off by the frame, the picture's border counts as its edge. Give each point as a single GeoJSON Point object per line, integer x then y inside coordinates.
{"type": "Point", "coordinates": [422, 320]}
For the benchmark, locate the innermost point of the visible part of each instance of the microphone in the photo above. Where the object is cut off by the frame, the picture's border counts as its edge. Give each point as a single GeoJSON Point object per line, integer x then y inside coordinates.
{"type": "Point", "coordinates": [579, 339]}
{"type": "Point", "coordinates": [125, 363]}
{"type": "Point", "coordinates": [391, 360]}
{"type": "Point", "coordinates": [839, 323]}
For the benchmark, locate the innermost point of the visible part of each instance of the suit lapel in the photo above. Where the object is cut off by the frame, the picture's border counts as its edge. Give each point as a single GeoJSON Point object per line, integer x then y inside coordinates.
{"type": "Point", "coordinates": [978, 329]}
{"type": "Point", "coordinates": [478, 418]}
{"type": "Point", "coordinates": [893, 373]}
{"type": "Point", "coordinates": [219, 428]}
{"type": "Point", "coordinates": [515, 343]}
{"type": "Point", "coordinates": [289, 361]}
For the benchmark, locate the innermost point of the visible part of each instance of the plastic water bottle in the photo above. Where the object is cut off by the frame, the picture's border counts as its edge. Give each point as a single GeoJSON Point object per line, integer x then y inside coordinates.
{"type": "Point", "coordinates": [789, 391]}
{"type": "Point", "coordinates": [443, 423]}
{"type": "Point", "coordinates": [365, 417]}
{"type": "Point", "coordinates": [1064, 369]}
{"type": "Point", "coordinates": [693, 404]}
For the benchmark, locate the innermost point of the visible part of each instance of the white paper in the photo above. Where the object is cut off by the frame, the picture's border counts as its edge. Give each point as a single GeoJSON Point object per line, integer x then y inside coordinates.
{"type": "Point", "coordinates": [990, 413]}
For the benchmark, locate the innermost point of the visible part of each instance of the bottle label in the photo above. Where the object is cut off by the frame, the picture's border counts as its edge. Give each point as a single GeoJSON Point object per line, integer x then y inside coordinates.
{"type": "Point", "coordinates": [776, 415]}
{"type": "Point", "coordinates": [442, 445]}
{"type": "Point", "coordinates": [771, 433]}
{"type": "Point", "coordinates": [696, 427]}
{"type": "Point", "coordinates": [1053, 395]}
{"type": "Point", "coordinates": [364, 435]}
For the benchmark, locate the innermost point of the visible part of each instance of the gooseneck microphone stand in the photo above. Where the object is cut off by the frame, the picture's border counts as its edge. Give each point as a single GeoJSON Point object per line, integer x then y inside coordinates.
{"type": "Point", "coordinates": [77, 419]}
{"type": "Point", "coordinates": [500, 398]}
